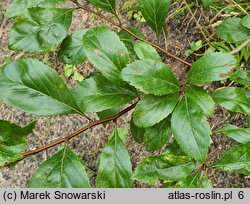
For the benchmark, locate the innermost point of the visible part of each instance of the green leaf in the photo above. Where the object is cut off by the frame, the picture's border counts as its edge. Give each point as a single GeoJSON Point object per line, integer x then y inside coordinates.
{"type": "Point", "coordinates": [246, 21]}
{"type": "Point", "coordinates": [146, 51]}
{"type": "Point", "coordinates": [241, 76]}
{"type": "Point", "coordinates": [126, 37]}
{"type": "Point", "coordinates": [195, 45]}
{"type": "Point", "coordinates": [244, 55]}
{"type": "Point", "coordinates": [138, 16]}
{"type": "Point", "coordinates": [137, 132]}
{"type": "Point", "coordinates": [72, 49]}
{"type": "Point", "coordinates": [157, 136]}
{"type": "Point", "coordinates": [63, 170]}
{"type": "Point", "coordinates": [248, 121]}
{"type": "Point", "coordinates": [122, 133]}
{"type": "Point", "coordinates": [77, 76]}
{"type": "Point", "coordinates": [207, 3]}
{"type": "Point", "coordinates": [241, 135]}
{"type": "Point", "coordinates": [188, 52]}
{"type": "Point", "coordinates": [195, 180]}
{"type": "Point", "coordinates": [33, 87]}
{"type": "Point", "coordinates": [165, 167]}
{"type": "Point", "coordinates": [191, 129]}
{"type": "Point", "coordinates": [153, 109]}
{"type": "Point", "coordinates": [68, 70]}
{"type": "Point", "coordinates": [96, 94]}
{"type": "Point", "coordinates": [129, 40]}
{"type": "Point", "coordinates": [106, 52]}
{"type": "Point", "coordinates": [174, 149]}
{"type": "Point", "coordinates": [115, 168]}
{"type": "Point", "coordinates": [107, 113]}
{"type": "Point", "coordinates": [40, 29]}
{"type": "Point", "coordinates": [155, 13]}
{"type": "Point", "coordinates": [202, 98]}
{"type": "Point", "coordinates": [232, 30]}
{"type": "Point", "coordinates": [151, 77]}
{"type": "Point", "coordinates": [247, 93]}
{"type": "Point", "coordinates": [17, 7]}
{"type": "Point", "coordinates": [108, 5]}
{"type": "Point", "coordinates": [233, 99]}
{"type": "Point", "coordinates": [214, 66]}
{"type": "Point", "coordinates": [236, 160]}
{"type": "Point", "coordinates": [13, 141]}
{"type": "Point", "coordinates": [169, 184]}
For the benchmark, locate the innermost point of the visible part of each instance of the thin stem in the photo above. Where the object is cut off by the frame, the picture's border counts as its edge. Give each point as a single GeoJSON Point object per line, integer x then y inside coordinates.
{"type": "Point", "coordinates": [158, 39]}
{"type": "Point", "coordinates": [95, 13]}
{"type": "Point", "coordinates": [180, 9]}
{"type": "Point", "coordinates": [81, 130]}
{"type": "Point", "coordinates": [88, 118]}
{"type": "Point", "coordinates": [119, 25]}
{"type": "Point", "coordinates": [156, 46]}
{"type": "Point", "coordinates": [118, 18]}
{"type": "Point", "coordinates": [238, 49]}
{"type": "Point", "coordinates": [91, 169]}
{"type": "Point", "coordinates": [165, 39]}
{"type": "Point", "coordinates": [197, 23]}
{"type": "Point", "coordinates": [219, 12]}
{"type": "Point", "coordinates": [239, 6]}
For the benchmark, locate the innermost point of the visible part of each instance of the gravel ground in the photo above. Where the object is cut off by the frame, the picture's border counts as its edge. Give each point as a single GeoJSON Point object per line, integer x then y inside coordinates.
{"type": "Point", "coordinates": [182, 31]}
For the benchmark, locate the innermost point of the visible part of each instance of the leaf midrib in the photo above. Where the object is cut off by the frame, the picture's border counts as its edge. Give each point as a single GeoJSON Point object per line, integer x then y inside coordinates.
{"type": "Point", "coordinates": [191, 126]}
{"type": "Point", "coordinates": [72, 108]}
{"type": "Point", "coordinates": [200, 99]}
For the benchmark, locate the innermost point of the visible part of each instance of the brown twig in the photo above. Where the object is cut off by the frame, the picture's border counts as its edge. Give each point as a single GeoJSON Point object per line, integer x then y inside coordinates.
{"type": "Point", "coordinates": [81, 130]}
{"type": "Point", "coordinates": [157, 47]}
{"type": "Point", "coordinates": [119, 25]}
